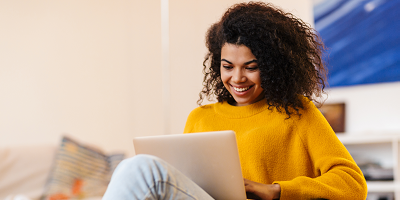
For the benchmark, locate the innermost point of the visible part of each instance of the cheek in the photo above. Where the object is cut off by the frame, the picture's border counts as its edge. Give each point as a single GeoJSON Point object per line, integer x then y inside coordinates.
{"type": "Point", "coordinates": [224, 77]}
{"type": "Point", "coordinates": [257, 79]}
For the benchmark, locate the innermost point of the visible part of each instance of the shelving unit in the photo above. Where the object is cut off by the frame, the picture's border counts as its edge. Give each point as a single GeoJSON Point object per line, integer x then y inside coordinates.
{"type": "Point", "coordinates": [383, 149]}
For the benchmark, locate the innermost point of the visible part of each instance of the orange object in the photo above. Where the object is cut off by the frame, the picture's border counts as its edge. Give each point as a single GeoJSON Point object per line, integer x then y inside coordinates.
{"type": "Point", "coordinates": [58, 197]}
{"type": "Point", "coordinates": [77, 187]}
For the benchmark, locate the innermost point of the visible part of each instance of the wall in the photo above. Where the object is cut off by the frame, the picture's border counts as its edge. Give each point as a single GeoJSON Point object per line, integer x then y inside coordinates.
{"type": "Point", "coordinates": [370, 109]}
{"type": "Point", "coordinates": [93, 70]}
{"type": "Point", "coordinates": [90, 69]}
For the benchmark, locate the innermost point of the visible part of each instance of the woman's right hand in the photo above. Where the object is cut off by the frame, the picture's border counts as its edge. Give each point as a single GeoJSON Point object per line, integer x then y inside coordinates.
{"type": "Point", "coordinates": [264, 191]}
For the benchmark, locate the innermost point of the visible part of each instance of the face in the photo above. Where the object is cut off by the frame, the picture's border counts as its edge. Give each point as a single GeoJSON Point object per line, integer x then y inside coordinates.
{"type": "Point", "coordinates": [240, 74]}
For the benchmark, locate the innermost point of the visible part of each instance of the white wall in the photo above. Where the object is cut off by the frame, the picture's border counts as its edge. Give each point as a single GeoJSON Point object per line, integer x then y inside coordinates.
{"type": "Point", "coordinates": [370, 109]}
{"type": "Point", "coordinates": [93, 70]}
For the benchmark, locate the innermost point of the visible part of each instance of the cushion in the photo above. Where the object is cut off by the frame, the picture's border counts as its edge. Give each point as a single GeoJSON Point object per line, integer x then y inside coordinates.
{"type": "Point", "coordinates": [79, 171]}
{"type": "Point", "coordinates": [24, 169]}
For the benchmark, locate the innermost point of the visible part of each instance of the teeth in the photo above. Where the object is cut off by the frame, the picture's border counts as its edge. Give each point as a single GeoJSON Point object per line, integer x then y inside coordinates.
{"type": "Point", "coordinates": [240, 89]}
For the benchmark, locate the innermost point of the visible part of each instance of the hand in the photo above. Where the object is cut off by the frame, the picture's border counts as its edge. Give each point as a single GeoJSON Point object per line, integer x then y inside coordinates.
{"type": "Point", "coordinates": [264, 191]}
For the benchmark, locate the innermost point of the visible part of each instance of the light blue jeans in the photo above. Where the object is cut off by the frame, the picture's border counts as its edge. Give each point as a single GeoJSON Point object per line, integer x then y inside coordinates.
{"type": "Point", "coordinates": [148, 177]}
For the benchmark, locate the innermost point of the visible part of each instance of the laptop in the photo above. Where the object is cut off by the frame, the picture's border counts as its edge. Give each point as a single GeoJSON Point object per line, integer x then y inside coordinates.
{"type": "Point", "coordinates": [210, 159]}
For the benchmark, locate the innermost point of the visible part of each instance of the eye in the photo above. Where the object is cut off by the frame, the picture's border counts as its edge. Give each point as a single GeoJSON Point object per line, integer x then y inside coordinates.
{"type": "Point", "coordinates": [227, 67]}
{"type": "Point", "coordinates": [252, 68]}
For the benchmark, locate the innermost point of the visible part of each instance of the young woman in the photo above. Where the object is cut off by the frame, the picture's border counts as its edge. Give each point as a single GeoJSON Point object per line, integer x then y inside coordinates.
{"type": "Point", "coordinates": [264, 67]}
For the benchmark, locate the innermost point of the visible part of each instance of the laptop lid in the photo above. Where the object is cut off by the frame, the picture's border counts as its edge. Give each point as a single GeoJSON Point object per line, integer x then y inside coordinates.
{"type": "Point", "coordinates": [210, 159]}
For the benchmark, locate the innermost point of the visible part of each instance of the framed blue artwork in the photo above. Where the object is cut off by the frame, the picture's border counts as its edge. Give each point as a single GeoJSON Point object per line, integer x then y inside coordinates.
{"type": "Point", "coordinates": [362, 39]}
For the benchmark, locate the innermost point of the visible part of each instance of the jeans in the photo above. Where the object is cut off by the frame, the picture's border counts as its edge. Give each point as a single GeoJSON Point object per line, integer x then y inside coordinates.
{"type": "Point", "coordinates": [148, 177]}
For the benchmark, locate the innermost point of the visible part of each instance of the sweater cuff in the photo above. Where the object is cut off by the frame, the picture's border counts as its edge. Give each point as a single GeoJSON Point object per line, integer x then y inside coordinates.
{"type": "Point", "coordinates": [289, 190]}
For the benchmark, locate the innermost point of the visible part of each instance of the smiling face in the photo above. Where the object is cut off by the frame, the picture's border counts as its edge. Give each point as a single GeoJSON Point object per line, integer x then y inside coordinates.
{"type": "Point", "coordinates": [240, 74]}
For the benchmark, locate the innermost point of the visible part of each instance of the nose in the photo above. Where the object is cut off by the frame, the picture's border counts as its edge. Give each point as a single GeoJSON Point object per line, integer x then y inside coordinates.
{"type": "Point", "coordinates": [238, 76]}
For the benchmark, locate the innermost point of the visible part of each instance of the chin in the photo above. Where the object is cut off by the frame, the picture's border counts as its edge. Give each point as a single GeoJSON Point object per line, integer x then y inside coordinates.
{"type": "Point", "coordinates": [243, 103]}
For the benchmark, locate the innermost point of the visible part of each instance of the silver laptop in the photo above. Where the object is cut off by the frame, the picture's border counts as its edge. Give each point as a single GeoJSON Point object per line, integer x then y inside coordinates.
{"type": "Point", "coordinates": [210, 159]}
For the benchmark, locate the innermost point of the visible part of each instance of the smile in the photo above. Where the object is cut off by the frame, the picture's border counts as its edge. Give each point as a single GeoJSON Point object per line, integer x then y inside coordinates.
{"type": "Point", "coordinates": [241, 89]}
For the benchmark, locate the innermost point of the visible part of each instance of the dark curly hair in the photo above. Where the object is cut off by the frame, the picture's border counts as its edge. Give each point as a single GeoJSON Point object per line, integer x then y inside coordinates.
{"type": "Point", "coordinates": [288, 52]}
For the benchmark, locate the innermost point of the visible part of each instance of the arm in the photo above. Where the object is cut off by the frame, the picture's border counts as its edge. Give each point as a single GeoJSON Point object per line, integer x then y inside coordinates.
{"type": "Point", "coordinates": [337, 176]}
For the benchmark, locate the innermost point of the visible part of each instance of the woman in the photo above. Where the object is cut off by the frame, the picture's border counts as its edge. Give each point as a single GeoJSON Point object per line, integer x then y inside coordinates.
{"type": "Point", "coordinates": [264, 67]}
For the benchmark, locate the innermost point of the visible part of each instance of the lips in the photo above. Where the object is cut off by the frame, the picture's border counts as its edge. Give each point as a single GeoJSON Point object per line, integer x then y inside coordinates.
{"type": "Point", "coordinates": [241, 89]}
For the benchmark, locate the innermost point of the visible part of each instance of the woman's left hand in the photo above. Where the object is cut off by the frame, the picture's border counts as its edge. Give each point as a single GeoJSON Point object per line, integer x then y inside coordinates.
{"type": "Point", "coordinates": [264, 191]}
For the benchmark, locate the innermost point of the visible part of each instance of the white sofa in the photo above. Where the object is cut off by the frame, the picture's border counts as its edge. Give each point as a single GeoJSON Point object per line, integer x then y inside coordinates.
{"type": "Point", "coordinates": [24, 171]}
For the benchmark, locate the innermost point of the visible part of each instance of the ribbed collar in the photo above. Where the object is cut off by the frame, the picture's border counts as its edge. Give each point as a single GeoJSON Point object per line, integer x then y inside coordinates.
{"type": "Point", "coordinates": [230, 111]}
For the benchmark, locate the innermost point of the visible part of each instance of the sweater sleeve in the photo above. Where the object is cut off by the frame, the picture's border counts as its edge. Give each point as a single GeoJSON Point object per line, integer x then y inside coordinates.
{"type": "Point", "coordinates": [193, 117]}
{"type": "Point", "coordinates": [337, 174]}
{"type": "Point", "coordinates": [190, 121]}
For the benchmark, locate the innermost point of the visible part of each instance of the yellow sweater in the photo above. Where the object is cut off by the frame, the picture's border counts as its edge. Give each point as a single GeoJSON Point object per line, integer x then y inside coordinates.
{"type": "Point", "coordinates": [302, 154]}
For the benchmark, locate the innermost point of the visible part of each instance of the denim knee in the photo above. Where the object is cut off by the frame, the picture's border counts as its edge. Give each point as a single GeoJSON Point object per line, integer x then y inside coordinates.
{"type": "Point", "coordinates": [142, 160]}
{"type": "Point", "coordinates": [142, 163]}
{"type": "Point", "coordinates": [145, 159]}
{"type": "Point", "coordinates": [149, 177]}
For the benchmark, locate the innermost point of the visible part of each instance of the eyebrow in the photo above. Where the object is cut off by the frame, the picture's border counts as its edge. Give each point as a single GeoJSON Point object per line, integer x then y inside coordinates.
{"type": "Point", "coordinates": [246, 63]}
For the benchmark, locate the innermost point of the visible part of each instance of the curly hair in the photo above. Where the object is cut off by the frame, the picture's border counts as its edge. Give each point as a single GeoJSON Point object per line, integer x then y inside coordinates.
{"type": "Point", "coordinates": [288, 52]}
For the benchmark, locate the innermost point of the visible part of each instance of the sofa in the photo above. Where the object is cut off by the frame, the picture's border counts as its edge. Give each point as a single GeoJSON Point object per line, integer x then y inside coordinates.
{"type": "Point", "coordinates": [69, 170]}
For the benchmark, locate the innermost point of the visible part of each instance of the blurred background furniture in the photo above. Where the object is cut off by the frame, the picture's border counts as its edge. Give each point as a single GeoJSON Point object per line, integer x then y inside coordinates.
{"type": "Point", "coordinates": [378, 157]}
{"type": "Point", "coordinates": [70, 170]}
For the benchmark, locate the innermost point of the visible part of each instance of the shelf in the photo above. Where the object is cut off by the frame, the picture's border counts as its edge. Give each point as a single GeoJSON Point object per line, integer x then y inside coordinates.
{"type": "Point", "coordinates": [381, 186]}
{"type": "Point", "coordinates": [366, 139]}
{"type": "Point", "coordinates": [382, 148]}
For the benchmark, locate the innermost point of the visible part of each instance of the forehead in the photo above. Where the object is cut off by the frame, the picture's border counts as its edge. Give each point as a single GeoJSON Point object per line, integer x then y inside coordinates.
{"type": "Point", "coordinates": [236, 53]}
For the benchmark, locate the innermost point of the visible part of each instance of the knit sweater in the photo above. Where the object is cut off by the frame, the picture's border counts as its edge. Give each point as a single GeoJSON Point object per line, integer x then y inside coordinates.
{"type": "Point", "coordinates": [302, 154]}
